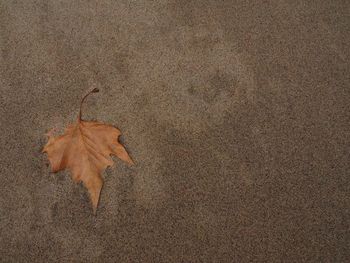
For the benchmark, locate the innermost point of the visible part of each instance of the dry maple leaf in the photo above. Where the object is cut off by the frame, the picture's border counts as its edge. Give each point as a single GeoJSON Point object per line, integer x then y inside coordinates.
{"type": "Point", "coordinates": [85, 150]}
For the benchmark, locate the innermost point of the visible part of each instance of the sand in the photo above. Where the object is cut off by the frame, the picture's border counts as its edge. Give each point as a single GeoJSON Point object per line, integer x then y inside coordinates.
{"type": "Point", "coordinates": [235, 112]}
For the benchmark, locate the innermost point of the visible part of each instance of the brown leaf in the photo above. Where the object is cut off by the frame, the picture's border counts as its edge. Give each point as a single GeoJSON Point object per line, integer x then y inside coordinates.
{"type": "Point", "coordinates": [85, 150]}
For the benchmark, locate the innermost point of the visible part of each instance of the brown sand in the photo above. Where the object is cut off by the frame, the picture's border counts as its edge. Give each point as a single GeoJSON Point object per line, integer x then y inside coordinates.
{"type": "Point", "coordinates": [236, 113]}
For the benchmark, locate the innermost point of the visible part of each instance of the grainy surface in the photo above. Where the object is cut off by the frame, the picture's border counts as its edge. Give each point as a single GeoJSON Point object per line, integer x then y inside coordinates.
{"type": "Point", "coordinates": [236, 113]}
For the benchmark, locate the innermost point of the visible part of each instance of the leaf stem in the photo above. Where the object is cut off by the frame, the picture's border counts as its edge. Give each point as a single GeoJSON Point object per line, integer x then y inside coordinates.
{"type": "Point", "coordinates": [95, 90]}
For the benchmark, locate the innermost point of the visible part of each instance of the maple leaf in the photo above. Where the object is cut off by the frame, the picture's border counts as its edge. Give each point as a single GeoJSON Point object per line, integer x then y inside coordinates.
{"type": "Point", "coordinates": [85, 150]}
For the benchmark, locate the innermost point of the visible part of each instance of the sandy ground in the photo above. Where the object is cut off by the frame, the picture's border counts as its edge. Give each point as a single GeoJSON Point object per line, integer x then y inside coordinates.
{"type": "Point", "coordinates": [236, 113]}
